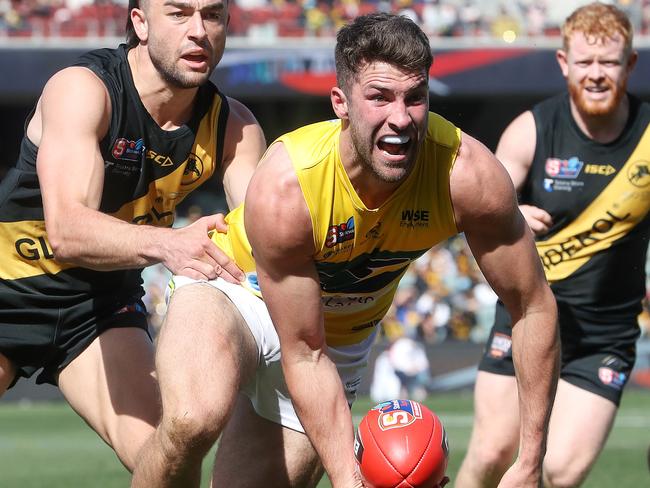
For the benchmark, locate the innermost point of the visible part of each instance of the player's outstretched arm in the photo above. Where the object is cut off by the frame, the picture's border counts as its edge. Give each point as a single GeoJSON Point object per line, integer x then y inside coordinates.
{"type": "Point", "coordinates": [486, 210]}
{"type": "Point", "coordinates": [516, 151]}
{"type": "Point", "coordinates": [67, 127]}
{"type": "Point", "coordinates": [280, 231]}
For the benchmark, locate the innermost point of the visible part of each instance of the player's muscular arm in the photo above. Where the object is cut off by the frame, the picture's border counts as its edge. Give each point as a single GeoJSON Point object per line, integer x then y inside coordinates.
{"type": "Point", "coordinates": [516, 150]}
{"type": "Point", "coordinates": [486, 210]}
{"type": "Point", "coordinates": [68, 128]}
{"type": "Point", "coordinates": [245, 144]}
{"type": "Point", "coordinates": [280, 232]}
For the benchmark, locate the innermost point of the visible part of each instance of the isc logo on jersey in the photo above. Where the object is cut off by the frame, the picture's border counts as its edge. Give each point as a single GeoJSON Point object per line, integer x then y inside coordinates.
{"type": "Point", "coordinates": [397, 414]}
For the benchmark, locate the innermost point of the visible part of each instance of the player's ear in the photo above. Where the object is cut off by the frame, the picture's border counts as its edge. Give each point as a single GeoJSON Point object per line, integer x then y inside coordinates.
{"type": "Point", "coordinates": [139, 20]}
{"type": "Point", "coordinates": [339, 102]}
{"type": "Point", "coordinates": [563, 60]}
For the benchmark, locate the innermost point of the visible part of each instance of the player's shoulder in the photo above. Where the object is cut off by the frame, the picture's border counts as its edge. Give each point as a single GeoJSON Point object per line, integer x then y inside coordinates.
{"type": "Point", "coordinates": [549, 109]}
{"type": "Point", "coordinates": [88, 87]}
{"type": "Point", "coordinates": [641, 107]}
{"type": "Point", "coordinates": [238, 113]}
{"type": "Point", "coordinates": [442, 132]}
{"type": "Point", "coordinates": [479, 184]}
{"type": "Point", "coordinates": [104, 58]}
{"type": "Point", "coordinates": [312, 143]}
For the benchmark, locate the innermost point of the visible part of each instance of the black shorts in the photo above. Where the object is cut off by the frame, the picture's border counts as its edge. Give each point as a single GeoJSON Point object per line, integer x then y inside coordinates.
{"type": "Point", "coordinates": [599, 364]}
{"type": "Point", "coordinates": [50, 338]}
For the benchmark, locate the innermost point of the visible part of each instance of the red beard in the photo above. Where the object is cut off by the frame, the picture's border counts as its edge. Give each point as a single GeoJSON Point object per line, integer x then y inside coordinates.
{"type": "Point", "coordinates": [590, 107]}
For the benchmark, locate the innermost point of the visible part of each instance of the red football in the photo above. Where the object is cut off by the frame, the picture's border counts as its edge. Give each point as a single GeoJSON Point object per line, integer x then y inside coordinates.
{"type": "Point", "coordinates": [401, 444]}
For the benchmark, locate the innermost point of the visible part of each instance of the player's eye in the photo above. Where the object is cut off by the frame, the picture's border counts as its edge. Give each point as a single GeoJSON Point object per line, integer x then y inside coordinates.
{"type": "Point", "coordinates": [212, 15]}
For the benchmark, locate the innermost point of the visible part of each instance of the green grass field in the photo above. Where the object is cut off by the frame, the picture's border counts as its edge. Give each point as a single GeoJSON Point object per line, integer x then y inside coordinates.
{"type": "Point", "coordinates": [47, 445]}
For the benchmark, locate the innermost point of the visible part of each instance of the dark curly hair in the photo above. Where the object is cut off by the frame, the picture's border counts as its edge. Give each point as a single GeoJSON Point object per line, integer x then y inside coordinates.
{"type": "Point", "coordinates": [383, 37]}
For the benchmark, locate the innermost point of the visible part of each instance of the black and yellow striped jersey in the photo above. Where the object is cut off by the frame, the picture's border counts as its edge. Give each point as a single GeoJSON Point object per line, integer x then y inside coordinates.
{"type": "Point", "coordinates": [598, 196]}
{"type": "Point", "coordinates": [147, 172]}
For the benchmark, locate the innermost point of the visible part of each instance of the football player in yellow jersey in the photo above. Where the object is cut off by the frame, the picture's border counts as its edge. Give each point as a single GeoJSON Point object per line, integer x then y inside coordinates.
{"type": "Point", "coordinates": [333, 216]}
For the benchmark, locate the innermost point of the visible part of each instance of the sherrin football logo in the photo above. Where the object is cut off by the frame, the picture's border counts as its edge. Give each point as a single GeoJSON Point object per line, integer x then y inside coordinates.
{"type": "Point", "coordinates": [397, 414]}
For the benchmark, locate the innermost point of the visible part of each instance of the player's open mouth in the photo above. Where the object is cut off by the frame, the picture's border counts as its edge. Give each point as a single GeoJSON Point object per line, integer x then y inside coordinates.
{"type": "Point", "coordinates": [394, 145]}
{"type": "Point", "coordinates": [197, 60]}
{"type": "Point", "coordinates": [596, 89]}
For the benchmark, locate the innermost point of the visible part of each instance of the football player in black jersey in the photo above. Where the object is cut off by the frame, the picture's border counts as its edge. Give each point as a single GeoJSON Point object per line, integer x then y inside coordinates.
{"type": "Point", "coordinates": [579, 164]}
{"type": "Point", "coordinates": [117, 140]}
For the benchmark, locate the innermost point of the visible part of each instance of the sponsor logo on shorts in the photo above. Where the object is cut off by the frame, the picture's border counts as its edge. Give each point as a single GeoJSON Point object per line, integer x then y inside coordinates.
{"type": "Point", "coordinates": [500, 345]}
{"type": "Point", "coordinates": [337, 234]}
{"type": "Point", "coordinates": [132, 307]}
{"type": "Point", "coordinates": [611, 378]}
{"type": "Point", "coordinates": [396, 414]}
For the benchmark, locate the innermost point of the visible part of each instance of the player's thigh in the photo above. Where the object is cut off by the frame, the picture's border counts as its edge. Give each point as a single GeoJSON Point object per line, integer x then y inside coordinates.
{"type": "Point", "coordinates": [112, 385]}
{"type": "Point", "coordinates": [579, 426]}
{"type": "Point", "coordinates": [205, 350]}
{"type": "Point", "coordinates": [283, 458]}
{"type": "Point", "coordinates": [7, 373]}
{"type": "Point", "coordinates": [495, 433]}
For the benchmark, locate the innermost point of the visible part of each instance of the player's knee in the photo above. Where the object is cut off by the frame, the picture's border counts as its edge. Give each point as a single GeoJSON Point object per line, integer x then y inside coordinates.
{"type": "Point", "coordinates": [563, 473]}
{"type": "Point", "coordinates": [492, 458]}
{"type": "Point", "coordinates": [192, 431]}
{"type": "Point", "coordinates": [485, 464]}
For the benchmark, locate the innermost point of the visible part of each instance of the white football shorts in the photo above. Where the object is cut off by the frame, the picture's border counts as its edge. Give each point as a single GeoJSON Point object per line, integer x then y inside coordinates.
{"type": "Point", "coordinates": [267, 390]}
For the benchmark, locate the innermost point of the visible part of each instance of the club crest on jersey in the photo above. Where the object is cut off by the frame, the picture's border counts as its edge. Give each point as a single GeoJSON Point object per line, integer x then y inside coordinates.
{"type": "Point", "coordinates": [340, 233]}
{"type": "Point", "coordinates": [193, 170]}
{"type": "Point", "coordinates": [564, 168]}
{"type": "Point", "coordinates": [639, 174]}
{"type": "Point", "coordinates": [396, 414]}
{"type": "Point", "coordinates": [127, 150]}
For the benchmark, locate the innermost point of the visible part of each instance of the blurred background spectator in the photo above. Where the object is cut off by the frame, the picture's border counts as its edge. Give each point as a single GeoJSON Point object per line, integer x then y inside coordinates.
{"type": "Point", "coordinates": [501, 19]}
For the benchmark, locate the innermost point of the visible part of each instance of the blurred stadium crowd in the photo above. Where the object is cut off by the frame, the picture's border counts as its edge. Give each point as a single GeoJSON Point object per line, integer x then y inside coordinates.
{"type": "Point", "coordinates": [271, 19]}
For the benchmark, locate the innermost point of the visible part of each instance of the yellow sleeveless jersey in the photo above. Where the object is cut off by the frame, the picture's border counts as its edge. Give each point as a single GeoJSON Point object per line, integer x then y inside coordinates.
{"type": "Point", "coordinates": [361, 253]}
